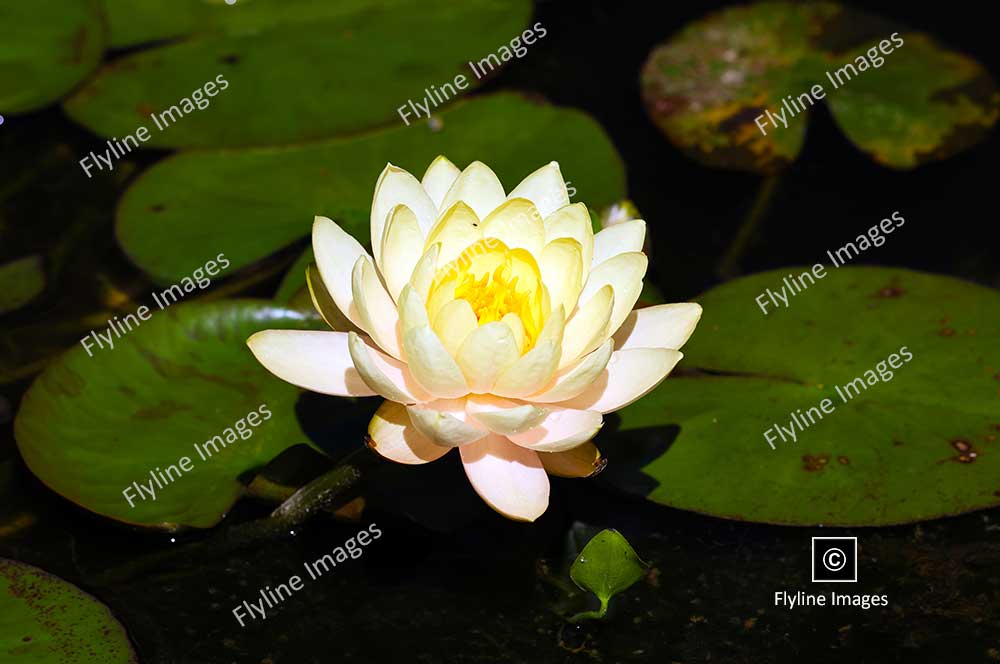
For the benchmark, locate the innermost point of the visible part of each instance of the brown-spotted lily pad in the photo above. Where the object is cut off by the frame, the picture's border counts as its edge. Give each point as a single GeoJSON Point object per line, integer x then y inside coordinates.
{"type": "Point", "coordinates": [895, 93]}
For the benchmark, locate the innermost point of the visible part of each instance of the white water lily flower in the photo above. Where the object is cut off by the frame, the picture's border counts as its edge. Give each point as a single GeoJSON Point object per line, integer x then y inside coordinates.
{"type": "Point", "coordinates": [498, 324]}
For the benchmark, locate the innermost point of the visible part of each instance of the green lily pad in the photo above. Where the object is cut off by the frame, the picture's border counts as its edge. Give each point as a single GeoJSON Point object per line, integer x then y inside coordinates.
{"type": "Point", "coordinates": [908, 100]}
{"type": "Point", "coordinates": [45, 620]}
{"type": "Point", "coordinates": [914, 439]}
{"type": "Point", "coordinates": [283, 74]}
{"type": "Point", "coordinates": [608, 565]}
{"type": "Point", "coordinates": [20, 282]}
{"type": "Point", "coordinates": [91, 426]}
{"type": "Point", "coordinates": [253, 202]}
{"type": "Point", "coordinates": [47, 48]}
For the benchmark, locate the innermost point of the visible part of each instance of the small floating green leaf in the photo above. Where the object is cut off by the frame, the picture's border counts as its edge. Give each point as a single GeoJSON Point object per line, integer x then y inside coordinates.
{"type": "Point", "coordinates": [45, 620]}
{"type": "Point", "coordinates": [20, 282]}
{"type": "Point", "coordinates": [608, 565]}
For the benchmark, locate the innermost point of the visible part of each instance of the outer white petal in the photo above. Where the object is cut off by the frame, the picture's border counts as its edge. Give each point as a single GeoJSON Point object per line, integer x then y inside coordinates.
{"type": "Point", "coordinates": [316, 361]}
{"type": "Point", "coordinates": [534, 369]}
{"type": "Point", "coordinates": [660, 326]}
{"type": "Point", "coordinates": [516, 223]}
{"type": "Point", "coordinates": [478, 186]}
{"type": "Point", "coordinates": [561, 429]}
{"type": "Point", "coordinates": [587, 328]}
{"type": "Point", "coordinates": [630, 375]}
{"type": "Point", "coordinates": [572, 221]}
{"type": "Point", "coordinates": [509, 478]}
{"type": "Point", "coordinates": [486, 352]}
{"type": "Point", "coordinates": [397, 187]}
{"type": "Point", "coordinates": [621, 238]}
{"type": "Point", "coordinates": [401, 244]}
{"type": "Point", "coordinates": [445, 422]}
{"type": "Point", "coordinates": [584, 460]}
{"type": "Point", "coordinates": [388, 377]}
{"type": "Point", "coordinates": [456, 229]}
{"type": "Point", "coordinates": [546, 188]}
{"type": "Point", "coordinates": [438, 178]}
{"type": "Point", "coordinates": [377, 310]}
{"type": "Point", "coordinates": [503, 416]}
{"type": "Point", "coordinates": [577, 377]}
{"type": "Point", "coordinates": [391, 434]}
{"type": "Point", "coordinates": [336, 253]}
{"type": "Point", "coordinates": [624, 273]}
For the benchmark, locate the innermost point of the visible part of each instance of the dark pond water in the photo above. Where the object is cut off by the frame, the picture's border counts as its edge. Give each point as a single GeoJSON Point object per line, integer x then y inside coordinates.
{"type": "Point", "coordinates": [468, 586]}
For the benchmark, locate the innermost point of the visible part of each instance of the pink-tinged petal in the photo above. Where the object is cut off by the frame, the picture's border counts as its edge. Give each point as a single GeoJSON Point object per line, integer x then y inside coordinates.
{"type": "Point", "coordinates": [378, 312]}
{"type": "Point", "coordinates": [387, 376]}
{"type": "Point", "coordinates": [336, 253]}
{"type": "Point", "coordinates": [316, 361]}
{"type": "Point", "coordinates": [509, 478]}
{"type": "Point", "coordinates": [584, 460]}
{"type": "Point", "coordinates": [577, 377]}
{"type": "Point", "coordinates": [630, 375]}
{"type": "Point", "coordinates": [396, 186]}
{"type": "Point", "coordinates": [445, 422]}
{"type": "Point", "coordinates": [561, 429]}
{"type": "Point", "coordinates": [503, 416]}
{"type": "Point", "coordinates": [660, 326]}
{"type": "Point", "coordinates": [391, 434]}
{"type": "Point", "coordinates": [621, 238]}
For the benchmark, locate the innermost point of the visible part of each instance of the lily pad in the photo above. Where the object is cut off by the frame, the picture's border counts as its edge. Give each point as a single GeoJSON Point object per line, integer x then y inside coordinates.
{"type": "Point", "coordinates": [253, 202]}
{"type": "Point", "coordinates": [284, 75]}
{"type": "Point", "coordinates": [45, 620]}
{"type": "Point", "coordinates": [919, 439]}
{"type": "Point", "coordinates": [20, 282]}
{"type": "Point", "coordinates": [608, 565]}
{"type": "Point", "coordinates": [49, 46]}
{"type": "Point", "coordinates": [902, 98]}
{"type": "Point", "coordinates": [91, 426]}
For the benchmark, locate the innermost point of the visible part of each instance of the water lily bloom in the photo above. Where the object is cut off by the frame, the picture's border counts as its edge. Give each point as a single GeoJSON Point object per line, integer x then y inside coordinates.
{"type": "Point", "coordinates": [498, 324]}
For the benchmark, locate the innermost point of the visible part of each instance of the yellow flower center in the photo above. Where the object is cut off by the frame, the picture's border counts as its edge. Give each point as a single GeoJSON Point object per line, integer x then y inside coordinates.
{"type": "Point", "coordinates": [500, 284]}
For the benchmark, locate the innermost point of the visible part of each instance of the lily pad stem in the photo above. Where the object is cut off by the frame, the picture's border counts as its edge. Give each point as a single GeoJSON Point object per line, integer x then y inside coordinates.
{"type": "Point", "coordinates": [729, 265]}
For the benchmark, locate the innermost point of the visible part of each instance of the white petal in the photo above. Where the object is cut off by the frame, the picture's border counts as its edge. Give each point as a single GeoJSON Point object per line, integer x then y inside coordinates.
{"type": "Point", "coordinates": [561, 429]}
{"type": "Point", "coordinates": [577, 377]}
{"type": "Point", "coordinates": [377, 310]}
{"type": "Point", "coordinates": [438, 178]}
{"type": "Point", "coordinates": [455, 230]}
{"type": "Point", "coordinates": [427, 358]}
{"type": "Point", "coordinates": [336, 253]}
{"type": "Point", "coordinates": [503, 416]}
{"type": "Point", "coordinates": [397, 187]}
{"type": "Point", "coordinates": [324, 304]}
{"type": "Point", "coordinates": [546, 188]}
{"type": "Point", "coordinates": [516, 326]}
{"type": "Point", "coordinates": [454, 323]}
{"type": "Point", "coordinates": [572, 221]}
{"type": "Point", "coordinates": [588, 327]}
{"type": "Point", "coordinates": [630, 375]}
{"type": "Point", "coordinates": [388, 377]}
{"type": "Point", "coordinates": [509, 478]}
{"type": "Point", "coordinates": [478, 186]}
{"type": "Point", "coordinates": [624, 273]}
{"type": "Point", "coordinates": [423, 273]}
{"type": "Point", "coordinates": [391, 434]}
{"type": "Point", "coordinates": [582, 461]}
{"type": "Point", "coordinates": [561, 265]}
{"type": "Point", "coordinates": [619, 239]}
{"type": "Point", "coordinates": [534, 369]}
{"type": "Point", "coordinates": [401, 245]}
{"type": "Point", "coordinates": [486, 352]}
{"type": "Point", "coordinates": [445, 422]}
{"type": "Point", "coordinates": [517, 224]}
{"type": "Point", "coordinates": [316, 361]}
{"type": "Point", "coordinates": [660, 326]}
{"type": "Point", "coordinates": [412, 312]}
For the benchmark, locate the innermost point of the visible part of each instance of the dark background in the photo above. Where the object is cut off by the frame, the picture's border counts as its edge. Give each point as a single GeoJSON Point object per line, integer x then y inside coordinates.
{"type": "Point", "coordinates": [467, 586]}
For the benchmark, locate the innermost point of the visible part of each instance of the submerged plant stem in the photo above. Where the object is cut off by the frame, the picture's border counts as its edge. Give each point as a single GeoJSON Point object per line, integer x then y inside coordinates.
{"type": "Point", "coordinates": [729, 264]}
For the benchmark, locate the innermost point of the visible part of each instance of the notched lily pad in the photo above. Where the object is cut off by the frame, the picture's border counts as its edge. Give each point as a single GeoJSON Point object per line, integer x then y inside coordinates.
{"type": "Point", "coordinates": [254, 202]}
{"type": "Point", "coordinates": [45, 620]}
{"type": "Point", "coordinates": [91, 426]}
{"type": "Point", "coordinates": [917, 437]}
{"type": "Point", "coordinates": [907, 104]}
{"type": "Point", "coordinates": [20, 282]}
